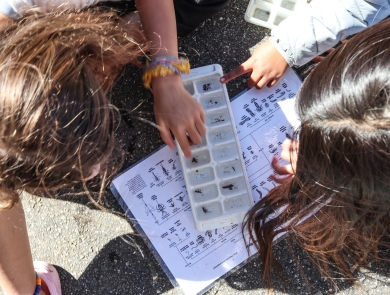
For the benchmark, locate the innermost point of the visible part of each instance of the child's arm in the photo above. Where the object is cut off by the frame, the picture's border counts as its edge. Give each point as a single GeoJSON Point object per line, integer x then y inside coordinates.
{"type": "Point", "coordinates": [311, 31]}
{"type": "Point", "coordinates": [175, 109]}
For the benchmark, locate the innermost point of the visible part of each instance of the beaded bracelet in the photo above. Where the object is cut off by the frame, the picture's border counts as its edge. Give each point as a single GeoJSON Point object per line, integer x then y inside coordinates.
{"type": "Point", "coordinates": [39, 284]}
{"type": "Point", "coordinates": [162, 66]}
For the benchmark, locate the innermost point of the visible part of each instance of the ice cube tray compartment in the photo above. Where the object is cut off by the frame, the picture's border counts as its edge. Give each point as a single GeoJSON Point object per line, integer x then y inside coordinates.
{"type": "Point", "coordinates": [289, 4]}
{"type": "Point", "coordinates": [189, 87]}
{"type": "Point", "coordinates": [262, 12]}
{"type": "Point", "coordinates": [209, 210]}
{"type": "Point", "coordinates": [220, 135]}
{"type": "Point", "coordinates": [213, 101]}
{"type": "Point", "coordinates": [201, 175]}
{"type": "Point", "coordinates": [205, 193]}
{"type": "Point", "coordinates": [208, 85]}
{"type": "Point", "coordinates": [237, 203]}
{"type": "Point", "coordinates": [199, 158]}
{"type": "Point", "coordinates": [217, 118]}
{"type": "Point", "coordinates": [217, 161]}
{"type": "Point", "coordinates": [202, 144]}
{"type": "Point", "coordinates": [270, 13]}
{"type": "Point", "coordinates": [229, 169]}
{"type": "Point", "coordinates": [224, 152]}
{"type": "Point", "coordinates": [232, 186]}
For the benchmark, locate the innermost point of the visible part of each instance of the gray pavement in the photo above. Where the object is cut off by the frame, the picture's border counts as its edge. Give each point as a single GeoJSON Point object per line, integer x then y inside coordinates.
{"type": "Point", "coordinates": [98, 252]}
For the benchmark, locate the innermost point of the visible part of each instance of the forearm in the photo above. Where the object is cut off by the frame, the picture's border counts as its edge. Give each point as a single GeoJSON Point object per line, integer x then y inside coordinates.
{"type": "Point", "coordinates": [159, 23]}
{"type": "Point", "coordinates": [16, 266]}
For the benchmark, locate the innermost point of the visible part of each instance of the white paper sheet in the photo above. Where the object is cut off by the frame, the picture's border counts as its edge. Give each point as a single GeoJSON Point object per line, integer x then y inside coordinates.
{"type": "Point", "coordinates": [155, 193]}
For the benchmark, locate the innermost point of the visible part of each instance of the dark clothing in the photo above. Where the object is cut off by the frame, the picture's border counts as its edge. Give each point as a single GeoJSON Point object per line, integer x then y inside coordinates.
{"type": "Point", "coordinates": [189, 13]}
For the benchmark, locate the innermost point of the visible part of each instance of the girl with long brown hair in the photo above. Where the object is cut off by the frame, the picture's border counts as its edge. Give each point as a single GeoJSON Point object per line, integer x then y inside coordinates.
{"type": "Point", "coordinates": [56, 123]}
{"type": "Point", "coordinates": [336, 204]}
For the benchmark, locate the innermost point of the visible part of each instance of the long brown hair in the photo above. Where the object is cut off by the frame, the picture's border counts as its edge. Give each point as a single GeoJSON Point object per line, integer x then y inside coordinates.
{"type": "Point", "coordinates": [337, 205]}
{"type": "Point", "coordinates": [55, 120]}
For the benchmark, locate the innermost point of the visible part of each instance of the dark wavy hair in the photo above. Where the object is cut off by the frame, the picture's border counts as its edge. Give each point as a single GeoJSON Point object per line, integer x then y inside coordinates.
{"type": "Point", "coordinates": [337, 206]}
{"type": "Point", "coordinates": [56, 122]}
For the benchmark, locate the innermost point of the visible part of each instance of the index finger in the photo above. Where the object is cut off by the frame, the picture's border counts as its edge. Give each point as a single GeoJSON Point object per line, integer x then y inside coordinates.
{"type": "Point", "coordinates": [184, 143]}
{"type": "Point", "coordinates": [238, 71]}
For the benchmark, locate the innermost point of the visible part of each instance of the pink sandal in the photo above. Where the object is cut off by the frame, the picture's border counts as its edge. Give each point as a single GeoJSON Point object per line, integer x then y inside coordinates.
{"type": "Point", "coordinates": [49, 275]}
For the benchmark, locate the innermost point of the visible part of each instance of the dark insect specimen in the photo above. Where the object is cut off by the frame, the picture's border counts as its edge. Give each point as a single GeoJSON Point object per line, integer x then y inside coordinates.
{"type": "Point", "coordinates": [288, 136]}
{"type": "Point", "coordinates": [229, 187]}
{"type": "Point", "coordinates": [194, 160]}
{"type": "Point", "coordinates": [172, 204]}
{"type": "Point", "coordinates": [205, 210]}
{"type": "Point", "coordinates": [173, 165]}
{"type": "Point", "coordinates": [234, 169]}
{"type": "Point", "coordinates": [206, 87]}
{"type": "Point", "coordinates": [208, 234]}
{"type": "Point", "coordinates": [198, 191]}
{"type": "Point", "coordinates": [220, 119]}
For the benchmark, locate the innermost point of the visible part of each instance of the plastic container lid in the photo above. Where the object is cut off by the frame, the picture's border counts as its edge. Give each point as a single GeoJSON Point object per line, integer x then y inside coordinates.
{"type": "Point", "coordinates": [270, 13]}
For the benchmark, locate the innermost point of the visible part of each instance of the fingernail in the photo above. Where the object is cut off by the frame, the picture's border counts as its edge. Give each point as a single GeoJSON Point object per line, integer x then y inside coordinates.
{"type": "Point", "coordinates": [222, 80]}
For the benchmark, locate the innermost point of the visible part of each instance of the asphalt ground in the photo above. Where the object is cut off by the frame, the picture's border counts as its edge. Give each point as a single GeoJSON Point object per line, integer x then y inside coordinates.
{"type": "Point", "coordinates": [98, 252]}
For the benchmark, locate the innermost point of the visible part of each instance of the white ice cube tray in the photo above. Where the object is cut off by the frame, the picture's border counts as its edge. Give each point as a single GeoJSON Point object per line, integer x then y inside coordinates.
{"type": "Point", "coordinates": [269, 13]}
{"type": "Point", "coordinates": [215, 176]}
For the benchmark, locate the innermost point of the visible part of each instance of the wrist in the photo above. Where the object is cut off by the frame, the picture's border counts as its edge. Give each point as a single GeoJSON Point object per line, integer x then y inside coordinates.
{"type": "Point", "coordinates": [166, 82]}
{"type": "Point", "coordinates": [285, 54]}
{"type": "Point", "coordinates": [165, 66]}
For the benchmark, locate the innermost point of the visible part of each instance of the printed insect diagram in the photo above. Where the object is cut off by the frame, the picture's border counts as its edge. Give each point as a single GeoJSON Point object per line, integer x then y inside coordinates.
{"type": "Point", "coordinates": [153, 192]}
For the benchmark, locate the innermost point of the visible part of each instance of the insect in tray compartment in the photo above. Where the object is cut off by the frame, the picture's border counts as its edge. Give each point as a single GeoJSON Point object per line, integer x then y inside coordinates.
{"type": "Point", "coordinates": [206, 86]}
{"type": "Point", "coordinates": [229, 187]}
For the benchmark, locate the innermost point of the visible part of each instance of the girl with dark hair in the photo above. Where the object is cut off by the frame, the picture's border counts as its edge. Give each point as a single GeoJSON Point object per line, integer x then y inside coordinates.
{"type": "Point", "coordinates": [56, 123]}
{"type": "Point", "coordinates": [335, 201]}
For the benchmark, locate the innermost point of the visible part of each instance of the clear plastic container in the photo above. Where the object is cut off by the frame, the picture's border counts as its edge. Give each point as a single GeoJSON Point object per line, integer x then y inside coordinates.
{"type": "Point", "coordinates": [270, 13]}
{"type": "Point", "coordinates": [215, 176]}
